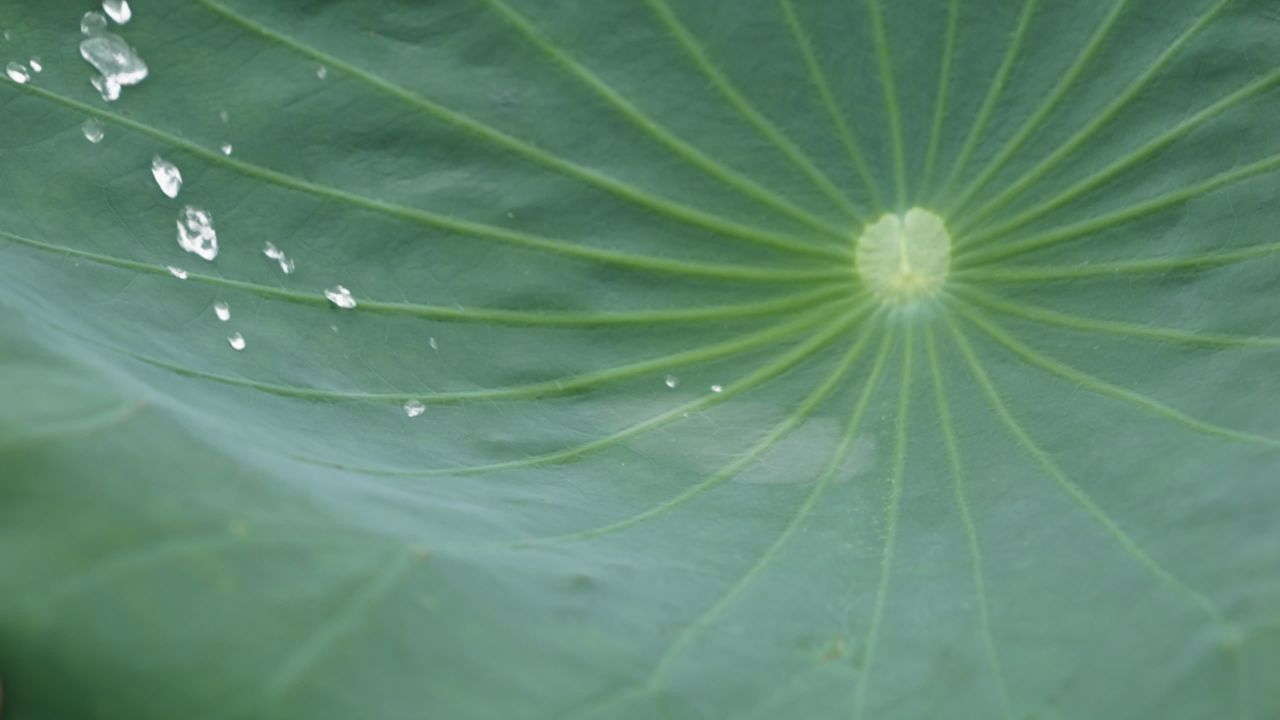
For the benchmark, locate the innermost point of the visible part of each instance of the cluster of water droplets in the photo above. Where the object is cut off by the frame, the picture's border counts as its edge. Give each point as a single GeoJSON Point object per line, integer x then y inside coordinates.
{"type": "Point", "coordinates": [117, 63]}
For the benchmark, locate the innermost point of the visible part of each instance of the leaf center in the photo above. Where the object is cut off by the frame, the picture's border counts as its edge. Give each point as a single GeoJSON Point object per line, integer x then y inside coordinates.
{"type": "Point", "coordinates": [904, 258]}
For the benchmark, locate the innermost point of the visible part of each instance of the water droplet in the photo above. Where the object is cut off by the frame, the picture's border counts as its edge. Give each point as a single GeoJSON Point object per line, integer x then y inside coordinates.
{"type": "Point", "coordinates": [108, 88]}
{"type": "Point", "coordinates": [93, 131]}
{"type": "Point", "coordinates": [432, 342]}
{"type": "Point", "coordinates": [226, 148]}
{"type": "Point", "coordinates": [341, 297]}
{"type": "Point", "coordinates": [17, 72]}
{"type": "Point", "coordinates": [717, 388]}
{"type": "Point", "coordinates": [93, 23]}
{"type": "Point", "coordinates": [177, 272]}
{"type": "Point", "coordinates": [167, 176]}
{"type": "Point", "coordinates": [413, 408]}
{"type": "Point", "coordinates": [275, 253]}
{"type": "Point", "coordinates": [118, 10]}
{"type": "Point", "coordinates": [222, 310]}
{"type": "Point", "coordinates": [35, 64]}
{"type": "Point", "coordinates": [117, 62]}
{"type": "Point", "coordinates": [322, 72]}
{"type": "Point", "coordinates": [236, 341]}
{"type": "Point", "coordinates": [196, 234]}
{"type": "Point", "coordinates": [8, 36]}
{"type": "Point", "coordinates": [672, 381]}
{"type": "Point", "coordinates": [223, 116]}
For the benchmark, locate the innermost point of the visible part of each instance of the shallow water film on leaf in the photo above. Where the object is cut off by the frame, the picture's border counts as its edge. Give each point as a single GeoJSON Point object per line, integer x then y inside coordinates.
{"type": "Point", "coordinates": [629, 360]}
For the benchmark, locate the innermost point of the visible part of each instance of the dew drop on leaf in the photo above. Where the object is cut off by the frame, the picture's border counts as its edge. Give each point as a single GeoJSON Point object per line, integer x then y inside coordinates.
{"type": "Point", "coordinates": [17, 72]}
{"type": "Point", "coordinates": [236, 341]}
{"type": "Point", "coordinates": [226, 148]}
{"type": "Point", "coordinates": [93, 131]}
{"type": "Point", "coordinates": [341, 297]}
{"type": "Point", "coordinates": [275, 253]}
{"type": "Point", "coordinates": [196, 234]}
{"type": "Point", "coordinates": [93, 23]}
{"type": "Point", "coordinates": [119, 10]}
{"type": "Point", "coordinates": [672, 381]}
{"type": "Point", "coordinates": [413, 408]}
{"type": "Point", "coordinates": [717, 388]}
{"type": "Point", "coordinates": [167, 176]}
{"type": "Point", "coordinates": [177, 272]}
{"type": "Point", "coordinates": [35, 64]}
{"type": "Point", "coordinates": [119, 64]}
{"type": "Point", "coordinates": [322, 72]}
{"type": "Point", "coordinates": [222, 310]}
{"type": "Point", "coordinates": [432, 342]}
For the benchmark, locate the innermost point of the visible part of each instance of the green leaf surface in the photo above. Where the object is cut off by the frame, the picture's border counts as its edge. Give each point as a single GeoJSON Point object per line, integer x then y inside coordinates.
{"type": "Point", "coordinates": [674, 459]}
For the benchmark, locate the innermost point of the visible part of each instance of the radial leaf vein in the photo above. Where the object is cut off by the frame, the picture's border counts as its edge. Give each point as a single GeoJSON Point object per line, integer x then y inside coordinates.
{"type": "Point", "coordinates": [1050, 104]}
{"type": "Point", "coordinates": [828, 475]}
{"type": "Point", "coordinates": [794, 420]}
{"type": "Point", "coordinates": [1129, 545]}
{"type": "Point", "coordinates": [1076, 141]}
{"type": "Point", "coordinates": [462, 227]}
{"type": "Point", "coordinates": [743, 106]}
{"type": "Point", "coordinates": [993, 96]}
{"type": "Point", "coordinates": [819, 78]}
{"type": "Point", "coordinates": [940, 101]}
{"type": "Point", "coordinates": [487, 133]}
{"type": "Point", "coordinates": [655, 130]}
{"type": "Point", "coordinates": [891, 530]}
{"type": "Point", "coordinates": [970, 528]}
{"type": "Point", "coordinates": [1117, 269]}
{"type": "Point", "coordinates": [1103, 387]}
{"type": "Point", "coordinates": [1080, 323]}
{"type": "Point", "coordinates": [893, 113]}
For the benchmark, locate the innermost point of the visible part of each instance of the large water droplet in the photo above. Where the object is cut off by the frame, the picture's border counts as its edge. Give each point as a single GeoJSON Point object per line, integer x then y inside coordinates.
{"type": "Point", "coordinates": [35, 64]}
{"type": "Point", "coordinates": [117, 62]}
{"type": "Point", "coordinates": [236, 341]}
{"type": "Point", "coordinates": [413, 408]}
{"type": "Point", "coordinates": [196, 234]}
{"type": "Point", "coordinates": [93, 131]}
{"type": "Point", "coordinates": [167, 176]}
{"type": "Point", "coordinates": [17, 72]}
{"type": "Point", "coordinates": [222, 310]}
{"type": "Point", "coordinates": [275, 253]}
{"type": "Point", "coordinates": [177, 272]}
{"type": "Point", "coordinates": [340, 296]}
{"type": "Point", "coordinates": [672, 381]}
{"type": "Point", "coordinates": [93, 23]}
{"type": "Point", "coordinates": [118, 10]}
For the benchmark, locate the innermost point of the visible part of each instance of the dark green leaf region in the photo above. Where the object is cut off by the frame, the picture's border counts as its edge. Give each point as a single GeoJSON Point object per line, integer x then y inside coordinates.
{"type": "Point", "coordinates": [640, 359]}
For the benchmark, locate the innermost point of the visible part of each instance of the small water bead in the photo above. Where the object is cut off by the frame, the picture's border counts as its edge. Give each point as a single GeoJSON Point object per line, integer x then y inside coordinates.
{"type": "Point", "coordinates": [275, 253]}
{"type": "Point", "coordinates": [671, 381]}
{"type": "Point", "coordinates": [17, 72]}
{"type": "Point", "coordinates": [35, 64]}
{"type": "Point", "coordinates": [196, 234]}
{"type": "Point", "coordinates": [432, 342]}
{"type": "Point", "coordinates": [119, 10]}
{"type": "Point", "coordinates": [93, 23]}
{"type": "Point", "coordinates": [223, 116]}
{"type": "Point", "coordinates": [167, 176]}
{"type": "Point", "coordinates": [413, 408]}
{"type": "Point", "coordinates": [341, 297]}
{"type": "Point", "coordinates": [322, 72]}
{"type": "Point", "coordinates": [236, 341]}
{"type": "Point", "coordinates": [177, 272]}
{"type": "Point", "coordinates": [717, 388]}
{"type": "Point", "coordinates": [222, 310]}
{"type": "Point", "coordinates": [119, 64]}
{"type": "Point", "coordinates": [226, 149]}
{"type": "Point", "coordinates": [93, 131]}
